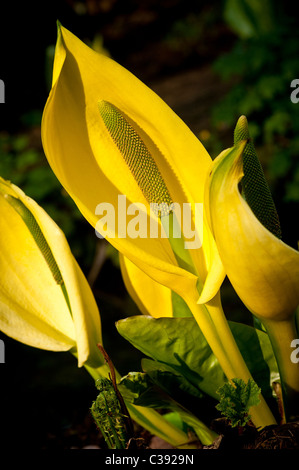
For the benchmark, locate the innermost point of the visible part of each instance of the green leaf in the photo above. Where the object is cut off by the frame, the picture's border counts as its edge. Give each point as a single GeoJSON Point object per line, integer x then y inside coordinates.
{"type": "Point", "coordinates": [155, 391]}
{"type": "Point", "coordinates": [256, 349]}
{"type": "Point", "coordinates": [237, 399]}
{"type": "Point", "coordinates": [158, 387]}
{"type": "Point", "coordinates": [179, 306]}
{"type": "Point", "coordinates": [175, 419]}
{"type": "Point", "coordinates": [178, 345]}
{"type": "Point", "coordinates": [141, 390]}
{"type": "Point", "coordinates": [172, 381]}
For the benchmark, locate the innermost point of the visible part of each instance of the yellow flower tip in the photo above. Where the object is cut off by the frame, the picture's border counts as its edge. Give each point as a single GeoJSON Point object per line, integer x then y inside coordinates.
{"type": "Point", "coordinates": [59, 31]}
{"type": "Point", "coordinates": [213, 282]}
{"type": "Point", "coordinates": [228, 163]}
{"type": "Point", "coordinates": [60, 53]}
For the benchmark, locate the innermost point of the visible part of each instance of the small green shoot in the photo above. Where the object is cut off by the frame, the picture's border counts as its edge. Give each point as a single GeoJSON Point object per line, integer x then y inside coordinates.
{"type": "Point", "coordinates": [109, 410]}
{"type": "Point", "coordinates": [107, 413]}
{"type": "Point", "coordinates": [236, 400]}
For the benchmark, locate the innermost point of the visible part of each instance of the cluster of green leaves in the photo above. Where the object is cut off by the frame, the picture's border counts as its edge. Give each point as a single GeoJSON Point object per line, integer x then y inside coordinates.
{"type": "Point", "coordinates": [181, 376]}
{"type": "Point", "coordinates": [237, 399]}
{"type": "Point", "coordinates": [261, 67]}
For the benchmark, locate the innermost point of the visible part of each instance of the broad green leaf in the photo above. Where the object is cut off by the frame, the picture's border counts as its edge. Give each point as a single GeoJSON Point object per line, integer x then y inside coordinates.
{"type": "Point", "coordinates": [258, 354]}
{"type": "Point", "coordinates": [153, 391]}
{"type": "Point", "coordinates": [141, 390]}
{"type": "Point", "coordinates": [179, 345]}
{"type": "Point", "coordinates": [180, 389]}
{"type": "Point", "coordinates": [165, 376]}
{"type": "Point", "coordinates": [158, 387]}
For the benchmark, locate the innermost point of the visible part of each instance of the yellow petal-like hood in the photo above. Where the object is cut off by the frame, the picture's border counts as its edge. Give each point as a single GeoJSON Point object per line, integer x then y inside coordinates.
{"type": "Point", "coordinates": [33, 307]}
{"type": "Point", "coordinates": [92, 169]}
{"type": "Point", "coordinates": [263, 270]}
{"type": "Point", "coordinates": [151, 298]}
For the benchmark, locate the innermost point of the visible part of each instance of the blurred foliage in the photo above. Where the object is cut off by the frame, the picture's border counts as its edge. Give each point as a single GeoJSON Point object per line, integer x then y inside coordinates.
{"type": "Point", "coordinates": [23, 163]}
{"type": "Point", "coordinates": [193, 34]}
{"type": "Point", "coordinates": [261, 67]}
{"type": "Point", "coordinates": [249, 18]}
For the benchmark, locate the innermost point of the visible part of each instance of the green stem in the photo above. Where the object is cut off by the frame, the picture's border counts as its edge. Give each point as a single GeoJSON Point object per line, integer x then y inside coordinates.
{"type": "Point", "coordinates": [214, 326]}
{"type": "Point", "coordinates": [261, 414]}
{"type": "Point", "coordinates": [174, 232]}
{"type": "Point", "coordinates": [228, 354]}
{"type": "Point", "coordinates": [281, 334]}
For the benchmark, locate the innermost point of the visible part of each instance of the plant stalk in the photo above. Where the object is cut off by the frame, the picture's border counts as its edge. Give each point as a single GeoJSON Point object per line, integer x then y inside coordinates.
{"type": "Point", "coordinates": [281, 334]}
{"type": "Point", "coordinates": [228, 354]}
{"type": "Point", "coordinates": [214, 326]}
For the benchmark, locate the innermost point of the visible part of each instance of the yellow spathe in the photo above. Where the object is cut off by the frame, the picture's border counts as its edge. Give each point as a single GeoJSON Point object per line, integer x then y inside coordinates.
{"type": "Point", "coordinates": [97, 120]}
{"type": "Point", "coordinates": [263, 270]}
{"type": "Point", "coordinates": [33, 307]}
{"type": "Point", "coordinates": [92, 169]}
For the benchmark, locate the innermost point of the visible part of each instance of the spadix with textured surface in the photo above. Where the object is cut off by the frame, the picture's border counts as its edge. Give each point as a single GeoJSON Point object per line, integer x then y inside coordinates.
{"type": "Point", "coordinates": [137, 156]}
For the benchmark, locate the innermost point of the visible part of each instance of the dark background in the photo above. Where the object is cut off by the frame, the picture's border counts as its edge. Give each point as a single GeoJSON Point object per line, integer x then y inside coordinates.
{"type": "Point", "coordinates": [211, 62]}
